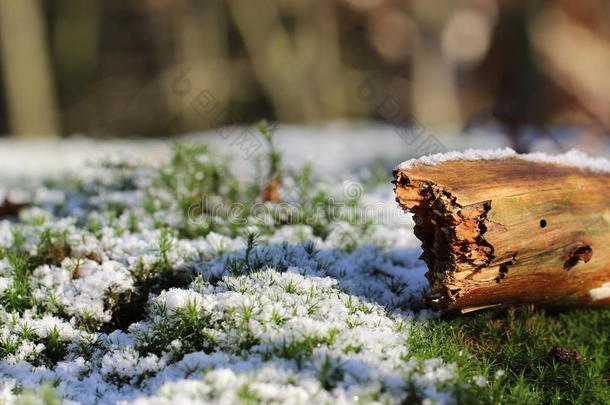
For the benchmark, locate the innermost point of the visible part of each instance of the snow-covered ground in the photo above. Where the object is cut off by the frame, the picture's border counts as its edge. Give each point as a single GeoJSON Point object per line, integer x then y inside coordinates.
{"type": "Point", "coordinates": [334, 147]}
{"type": "Point", "coordinates": [315, 311]}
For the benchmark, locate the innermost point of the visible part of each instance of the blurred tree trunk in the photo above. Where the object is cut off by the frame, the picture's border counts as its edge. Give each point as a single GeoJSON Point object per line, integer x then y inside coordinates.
{"type": "Point", "coordinates": [318, 50]}
{"type": "Point", "coordinates": [76, 46]}
{"type": "Point", "coordinates": [191, 41]}
{"type": "Point", "coordinates": [274, 58]}
{"type": "Point", "coordinates": [434, 92]}
{"type": "Point", "coordinates": [572, 43]}
{"type": "Point", "coordinates": [25, 64]}
{"type": "Point", "coordinates": [201, 48]}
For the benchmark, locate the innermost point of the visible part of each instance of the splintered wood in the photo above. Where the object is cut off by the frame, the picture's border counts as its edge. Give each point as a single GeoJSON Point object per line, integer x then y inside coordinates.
{"type": "Point", "coordinates": [510, 232]}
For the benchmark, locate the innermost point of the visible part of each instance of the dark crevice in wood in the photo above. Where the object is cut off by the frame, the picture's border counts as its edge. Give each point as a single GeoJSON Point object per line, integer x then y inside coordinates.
{"type": "Point", "coordinates": [579, 253]}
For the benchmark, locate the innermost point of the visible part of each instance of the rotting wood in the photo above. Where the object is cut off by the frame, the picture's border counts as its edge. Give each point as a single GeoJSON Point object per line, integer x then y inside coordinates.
{"type": "Point", "coordinates": [510, 232]}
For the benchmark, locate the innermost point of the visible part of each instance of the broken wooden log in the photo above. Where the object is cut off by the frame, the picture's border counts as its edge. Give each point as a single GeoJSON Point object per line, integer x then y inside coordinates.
{"type": "Point", "coordinates": [505, 229]}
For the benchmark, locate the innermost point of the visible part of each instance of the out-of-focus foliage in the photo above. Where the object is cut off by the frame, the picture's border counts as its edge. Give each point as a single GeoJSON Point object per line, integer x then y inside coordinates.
{"type": "Point", "coordinates": [162, 67]}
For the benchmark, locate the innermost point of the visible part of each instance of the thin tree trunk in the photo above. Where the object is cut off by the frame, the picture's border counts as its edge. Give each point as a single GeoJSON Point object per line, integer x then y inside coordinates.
{"type": "Point", "coordinates": [27, 73]}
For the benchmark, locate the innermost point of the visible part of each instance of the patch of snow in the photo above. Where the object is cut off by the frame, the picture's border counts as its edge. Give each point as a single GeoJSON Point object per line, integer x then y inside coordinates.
{"type": "Point", "coordinates": [479, 380]}
{"type": "Point", "coordinates": [601, 292]}
{"type": "Point", "coordinates": [573, 158]}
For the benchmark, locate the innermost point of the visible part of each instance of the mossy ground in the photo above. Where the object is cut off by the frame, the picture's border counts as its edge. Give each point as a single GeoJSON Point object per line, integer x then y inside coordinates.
{"type": "Point", "coordinates": [519, 341]}
{"type": "Point", "coordinates": [170, 218]}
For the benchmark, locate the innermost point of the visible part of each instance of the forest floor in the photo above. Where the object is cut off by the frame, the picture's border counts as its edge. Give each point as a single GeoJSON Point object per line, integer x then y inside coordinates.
{"type": "Point", "coordinates": [160, 275]}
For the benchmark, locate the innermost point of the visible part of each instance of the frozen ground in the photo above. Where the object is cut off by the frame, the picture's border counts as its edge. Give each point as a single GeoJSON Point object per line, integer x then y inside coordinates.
{"type": "Point", "coordinates": [121, 286]}
{"type": "Point", "coordinates": [334, 147]}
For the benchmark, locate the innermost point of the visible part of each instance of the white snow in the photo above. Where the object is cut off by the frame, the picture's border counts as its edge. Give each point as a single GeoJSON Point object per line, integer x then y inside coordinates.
{"type": "Point", "coordinates": [315, 312]}
{"type": "Point", "coordinates": [601, 292]}
{"type": "Point", "coordinates": [573, 158]}
{"type": "Point", "coordinates": [479, 380]}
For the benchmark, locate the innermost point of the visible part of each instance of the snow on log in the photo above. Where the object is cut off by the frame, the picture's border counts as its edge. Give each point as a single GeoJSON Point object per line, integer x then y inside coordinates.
{"type": "Point", "coordinates": [499, 228]}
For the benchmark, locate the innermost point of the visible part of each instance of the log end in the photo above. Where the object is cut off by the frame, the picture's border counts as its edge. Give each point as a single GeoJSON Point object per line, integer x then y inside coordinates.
{"type": "Point", "coordinates": [509, 232]}
{"type": "Point", "coordinates": [455, 250]}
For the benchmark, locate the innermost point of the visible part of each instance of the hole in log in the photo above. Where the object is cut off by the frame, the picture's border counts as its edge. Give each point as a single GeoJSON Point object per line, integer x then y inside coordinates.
{"type": "Point", "coordinates": [581, 252]}
{"type": "Point", "coordinates": [503, 270]}
{"type": "Point", "coordinates": [542, 223]}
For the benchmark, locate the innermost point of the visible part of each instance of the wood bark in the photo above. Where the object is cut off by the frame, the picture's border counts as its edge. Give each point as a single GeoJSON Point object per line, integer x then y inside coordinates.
{"type": "Point", "coordinates": [510, 232]}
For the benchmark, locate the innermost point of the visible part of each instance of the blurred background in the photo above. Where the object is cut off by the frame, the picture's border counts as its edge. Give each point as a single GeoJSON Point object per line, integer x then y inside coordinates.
{"type": "Point", "coordinates": [159, 68]}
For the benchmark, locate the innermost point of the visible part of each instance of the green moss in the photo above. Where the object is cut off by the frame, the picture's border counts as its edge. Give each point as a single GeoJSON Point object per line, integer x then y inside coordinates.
{"type": "Point", "coordinates": [519, 342]}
